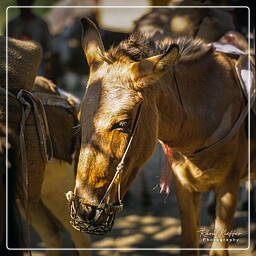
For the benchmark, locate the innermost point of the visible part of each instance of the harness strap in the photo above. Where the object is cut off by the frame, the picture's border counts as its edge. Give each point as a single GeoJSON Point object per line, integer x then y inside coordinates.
{"type": "Point", "coordinates": [23, 184]}
{"type": "Point", "coordinates": [41, 124]}
{"type": "Point", "coordinates": [25, 111]}
{"type": "Point", "coordinates": [226, 138]}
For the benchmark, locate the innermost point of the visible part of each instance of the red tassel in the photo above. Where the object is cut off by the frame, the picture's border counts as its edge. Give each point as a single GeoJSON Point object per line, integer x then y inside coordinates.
{"type": "Point", "coordinates": [166, 174]}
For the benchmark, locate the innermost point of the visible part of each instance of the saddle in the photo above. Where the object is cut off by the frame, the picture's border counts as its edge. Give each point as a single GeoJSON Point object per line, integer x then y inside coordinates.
{"type": "Point", "coordinates": [61, 111]}
{"type": "Point", "coordinates": [245, 70]}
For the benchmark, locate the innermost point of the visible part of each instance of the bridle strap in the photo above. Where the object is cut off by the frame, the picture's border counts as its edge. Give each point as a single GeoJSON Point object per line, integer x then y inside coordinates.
{"type": "Point", "coordinates": [120, 167]}
{"type": "Point", "coordinates": [41, 122]}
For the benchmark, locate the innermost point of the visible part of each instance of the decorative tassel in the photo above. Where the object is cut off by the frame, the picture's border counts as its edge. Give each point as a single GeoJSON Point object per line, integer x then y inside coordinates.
{"type": "Point", "coordinates": [166, 174]}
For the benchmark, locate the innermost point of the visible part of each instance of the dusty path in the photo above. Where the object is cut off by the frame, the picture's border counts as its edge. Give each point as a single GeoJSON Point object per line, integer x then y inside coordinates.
{"type": "Point", "coordinates": [154, 226]}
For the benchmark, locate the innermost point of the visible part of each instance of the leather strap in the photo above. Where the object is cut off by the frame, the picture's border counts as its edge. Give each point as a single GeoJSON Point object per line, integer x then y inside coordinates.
{"type": "Point", "coordinates": [224, 139]}
{"type": "Point", "coordinates": [41, 124]}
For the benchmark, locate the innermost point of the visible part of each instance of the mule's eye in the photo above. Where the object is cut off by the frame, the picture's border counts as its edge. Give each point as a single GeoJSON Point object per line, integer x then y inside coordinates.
{"type": "Point", "coordinates": [123, 125]}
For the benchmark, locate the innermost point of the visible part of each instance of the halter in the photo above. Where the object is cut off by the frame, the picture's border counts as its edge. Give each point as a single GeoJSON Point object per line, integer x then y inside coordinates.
{"type": "Point", "coordinates": [91, 227]}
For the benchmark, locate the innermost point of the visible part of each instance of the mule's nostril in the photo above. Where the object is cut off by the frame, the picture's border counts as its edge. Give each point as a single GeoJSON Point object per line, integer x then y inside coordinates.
{"type": "Point", "coordinates": [87, 212]}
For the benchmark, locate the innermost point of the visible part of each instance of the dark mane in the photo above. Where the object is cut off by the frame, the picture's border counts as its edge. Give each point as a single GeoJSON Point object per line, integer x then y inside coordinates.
{"type": "Point", "coordinates": [139, 46]}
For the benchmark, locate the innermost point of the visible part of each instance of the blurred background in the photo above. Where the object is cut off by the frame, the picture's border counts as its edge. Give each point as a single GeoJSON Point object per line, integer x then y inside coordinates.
{"type": "Point", "coordinates": [150, 219]}
{"type": "Point", "coordinates": [58, 30]}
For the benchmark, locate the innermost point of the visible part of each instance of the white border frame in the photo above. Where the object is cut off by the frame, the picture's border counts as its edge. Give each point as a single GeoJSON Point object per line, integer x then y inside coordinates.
{"type": "Point", "coordinates": [129, 249]}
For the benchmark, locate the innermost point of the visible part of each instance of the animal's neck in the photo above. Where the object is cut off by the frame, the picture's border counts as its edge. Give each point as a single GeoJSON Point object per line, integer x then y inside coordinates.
{"type": "Point", "coordinates": [189, 125]}
{"type": "Point", "coordinates": [171, 111]}
{"type": "Point", "coordinates": [175, 125]}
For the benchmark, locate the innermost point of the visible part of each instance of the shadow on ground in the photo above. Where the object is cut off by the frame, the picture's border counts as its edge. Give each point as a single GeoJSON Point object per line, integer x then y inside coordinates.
{"type": "Point", "coordinates": [156, 225]}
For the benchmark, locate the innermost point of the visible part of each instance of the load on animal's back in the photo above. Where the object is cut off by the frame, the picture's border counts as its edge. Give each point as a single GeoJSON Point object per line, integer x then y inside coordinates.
{"type": "Point", "coordinates": [37, 113]}
{"type": "Point", "coordinates": [23, 61]}
{"type": "Point", "coordinates": [61, 110]}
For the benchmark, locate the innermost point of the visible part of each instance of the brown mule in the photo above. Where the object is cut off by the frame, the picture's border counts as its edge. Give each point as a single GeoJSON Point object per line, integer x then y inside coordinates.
{"type": "Point", "coordinates": [181, 92]}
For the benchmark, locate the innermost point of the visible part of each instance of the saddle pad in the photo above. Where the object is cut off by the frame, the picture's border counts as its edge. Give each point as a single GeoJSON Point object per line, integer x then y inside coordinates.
{"type": "Point", "coordinates": [227, 48]}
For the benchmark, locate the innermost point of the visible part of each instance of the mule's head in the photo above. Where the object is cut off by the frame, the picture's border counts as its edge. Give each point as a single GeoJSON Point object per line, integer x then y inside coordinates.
{"type": "Point", "coordinates": [119, 121]}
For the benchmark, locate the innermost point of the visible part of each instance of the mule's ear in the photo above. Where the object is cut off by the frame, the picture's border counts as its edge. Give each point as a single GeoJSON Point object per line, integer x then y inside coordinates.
{"type": "Point", "coordinates": [91, 42]}
{"type": "Point", "coordinates": [148, 71]}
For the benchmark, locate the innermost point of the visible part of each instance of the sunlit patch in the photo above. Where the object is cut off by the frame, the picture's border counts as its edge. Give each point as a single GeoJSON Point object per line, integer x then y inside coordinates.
{"type": "Point", "coordinates": [83, 157]}
{"type": "Point", "coordinates": [179, 24]}
{"type": "Point", "coordinates": [130, 240]}
{"type": "Point", "coordinates": [78, 183]}
{"type": "Point", "coordinates": [79, 115]}
{"type": "Point", "coordinates": [100, 184]}
{"type": "Point", "coordinates": [167, 232]}
{"type": "Point", "coordinates": [93, 51]}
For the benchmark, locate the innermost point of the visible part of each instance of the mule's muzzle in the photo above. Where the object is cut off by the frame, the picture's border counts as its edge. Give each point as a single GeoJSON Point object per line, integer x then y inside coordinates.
{"type": "Point", "coordinates": [92, 219]}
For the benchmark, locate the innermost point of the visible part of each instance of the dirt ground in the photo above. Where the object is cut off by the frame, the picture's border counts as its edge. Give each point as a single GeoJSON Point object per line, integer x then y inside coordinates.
{"type": "Point", "coordinates": [156, 225]}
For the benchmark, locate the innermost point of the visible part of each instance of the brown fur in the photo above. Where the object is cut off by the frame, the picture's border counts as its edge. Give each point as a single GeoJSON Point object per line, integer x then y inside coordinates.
{"type": "Point", "coordinates": [211, 103]}
{"type": "Point", "coordinates": [140, 46]}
